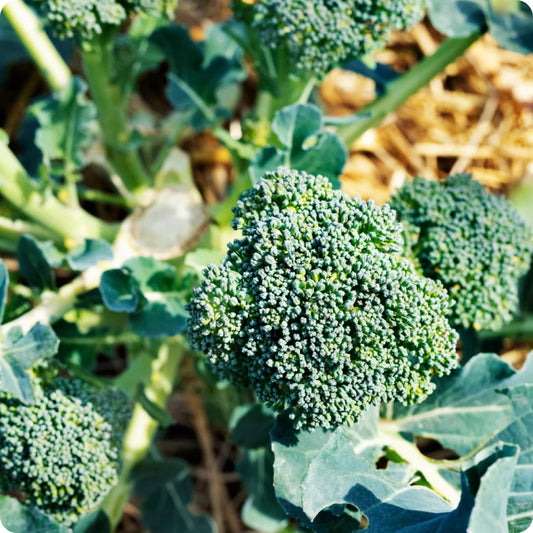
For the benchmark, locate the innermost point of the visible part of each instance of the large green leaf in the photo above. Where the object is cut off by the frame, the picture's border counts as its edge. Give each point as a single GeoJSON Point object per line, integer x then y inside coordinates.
{"type": "Point", "coordinates": [67, 127]}
{"type": "Point", "coordinates": [306, 145]}
{"type": "Point", "coordinates": [167, 489]}
{"type": "Point", "coordinates": [317, 473]}
{"type": "Point", "coordinates": [520, 432]}
{"type": "Point", "coordinates": [19, 353]}
{"type": "Point", "coordinates": [17, 518]}
{"type": "Point", "coordinates": [466, 409]}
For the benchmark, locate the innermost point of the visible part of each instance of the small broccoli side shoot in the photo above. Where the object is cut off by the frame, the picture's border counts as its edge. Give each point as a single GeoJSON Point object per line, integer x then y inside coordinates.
{"type": "Point", "coordinates": [86, 19]}
{"type": "Point", "coordinates": [315, 309]}
{"type": "Point", "coordinates": [473, 241]}
{"type": "Point", "coordinates": [321, 34]}
{"type": "Point", "coordinates": [63, 452]}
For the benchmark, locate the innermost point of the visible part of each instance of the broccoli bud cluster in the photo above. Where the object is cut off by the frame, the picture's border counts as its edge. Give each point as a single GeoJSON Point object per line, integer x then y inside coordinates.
{"type": "Point", "coordinates": [321, 34]}
{"type": "Point", "coordinates": [86, 19]}
{"type": "Point", "coordinates": [472, 241]}
{"type": "Point", "coordinates": [316, 310]}
{"type": "Point", "coordinates": [63, 452]}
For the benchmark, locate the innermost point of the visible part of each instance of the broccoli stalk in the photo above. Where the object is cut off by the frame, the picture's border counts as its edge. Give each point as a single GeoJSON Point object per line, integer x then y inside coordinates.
{"type": "Point", "coordinates": [62, 221]}
{"type": "Point", "coordinates": [63, 452]}
{"type": "Point", "coordinates": [93, 24]}
{"type": "Point", "coordinates": [316, 310]}
{"type": "Point", "coordinates": [28, 28]}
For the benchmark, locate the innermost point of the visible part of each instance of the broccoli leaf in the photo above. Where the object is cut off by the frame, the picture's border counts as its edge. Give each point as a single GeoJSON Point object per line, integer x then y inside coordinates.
{"type": "Point", "coordinates": [18, 518]}
{"type": "Point", "coordinates": [250, 426]}
{"type": "Point", "coordinates": [34, 266]}
{"type": "Point", "coordinates": [19, 353]}
{"type": "Point", "coordinates": [306, 145]}
{"type": "Point", "coordinates": [149, 291]}
{"type": "Point", "coordinates": [197, 76]}
{"type": "Point", "coordinates": [318, 475]}
{"type": "Point", "coordinates": [466, 408]}
{"type": "Point", "coordinates": [119, 290]}
{"type": "Point", "coordinates": [67, 127]}
{"type": "Point", "coordinates": [520, 432]}
{"type": "Point", "coordinates": [510, 26]}
{"type": "Point", "coordinates": [167, 487]}
{"type": "Point", "coordinates": [89, 253]}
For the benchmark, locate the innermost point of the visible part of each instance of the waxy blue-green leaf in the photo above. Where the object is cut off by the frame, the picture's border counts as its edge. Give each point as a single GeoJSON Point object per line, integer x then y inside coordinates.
{"type": "Point", "coordinates": [66, 127]}
{"type": "Point", "coordinates": [18, 518]}
{"type": "Point", "coordinates": [19, 353]}
{"type": "Point", "coordinates": [519, 431]}
{"type": "Point", "coordinates": [509, 22]}
{"type": "Point", "coordinates": [150, 292]}
{"type": "Point", "coordinates": [89, 253]}
{"type": "Point", "coordinates": [119, 290]}
{"type": "Point", "coordinates": [294, 453]}
{"type": "Point", "coordinates": [316, 474]}
{"type": "Point", "coordinates": [466, 409]}
{"type": "Point", "coordinates": [167, 487]}
{"type": "Point", "coordinates": [306, 145]}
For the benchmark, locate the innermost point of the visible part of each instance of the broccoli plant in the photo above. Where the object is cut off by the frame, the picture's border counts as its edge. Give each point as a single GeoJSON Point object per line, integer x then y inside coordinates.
{"type": "Point", "coordinates": [316, 310]}
{"type": "Point", "coordinates": [63, 451]}
{"type": "Point", "coordinates": [472, 241]}
{"type": "Point", "coordinates": [321, 331]}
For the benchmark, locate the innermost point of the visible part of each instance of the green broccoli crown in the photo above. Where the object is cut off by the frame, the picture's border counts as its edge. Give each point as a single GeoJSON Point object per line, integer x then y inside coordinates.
{"type": "Point", "coordinates": [86, 19]}
{"type": "Point", "coordinates": [473, 241]}
{"type": "Point", "coordinates": [315, 309]}
{"type": "Point", "coordinates": [63, 452]}
{"type": "Point", "coordinates": [321, 34]}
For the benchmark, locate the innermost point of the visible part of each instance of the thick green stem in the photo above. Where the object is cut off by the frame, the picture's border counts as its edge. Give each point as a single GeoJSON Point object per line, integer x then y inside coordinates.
{"type": "Point", "coordinates": [67, 222]}
{"type": "Point", "coordinates": [112, 115]}
{"type": "Point", "coordinates": [28, 27]}
{"type": "Point", "coordinates": [410, 453]}
{"type": "Point", "coordinates": [399, 90]}
{"type": "Point", "coordinates": [12, 230]}
{"type": "Point", "coordinates": [142, 426]}
{"type": "Point", "coordinates": [55, 304]}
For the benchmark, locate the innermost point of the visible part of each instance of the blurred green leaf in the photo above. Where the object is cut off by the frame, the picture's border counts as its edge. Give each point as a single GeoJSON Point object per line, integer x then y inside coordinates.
{"type": "Point", "coordinates": [198, 75]}
{"type": "Point", "coordinates": [17, 518]}
{"type": "Point", "coordinates": [306, 145]}
{"type": "Point", "coordinates": [167, 487]}
{"type": "Point", "coordinates": [33, 264]}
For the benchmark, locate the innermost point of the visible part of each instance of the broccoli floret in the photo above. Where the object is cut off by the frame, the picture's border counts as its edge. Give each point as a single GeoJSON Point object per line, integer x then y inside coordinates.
{"type": "Point", "coordinates": [316, 310]}
{"type": "Point", "coordinates": [86, 19]}
{"type": "Point", "coordinates": [473, 241]}
{"type": "Point", "coordinates": [321, 34]}
{"type": "Point", "coordinates": [63, 452]}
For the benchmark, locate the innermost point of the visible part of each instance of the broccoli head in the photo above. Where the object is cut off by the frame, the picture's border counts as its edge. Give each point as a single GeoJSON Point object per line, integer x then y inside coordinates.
{"type": "Point", "coordinates": [87, 19]}
{"type": "Point", "coordinates": [63, 452]}
{"type": "Point", "coordinates": [321, 34]}
{"type": "Point", "coordinates": [472, 241]}
{"type": "Point", "coordinates": [315, 309]}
